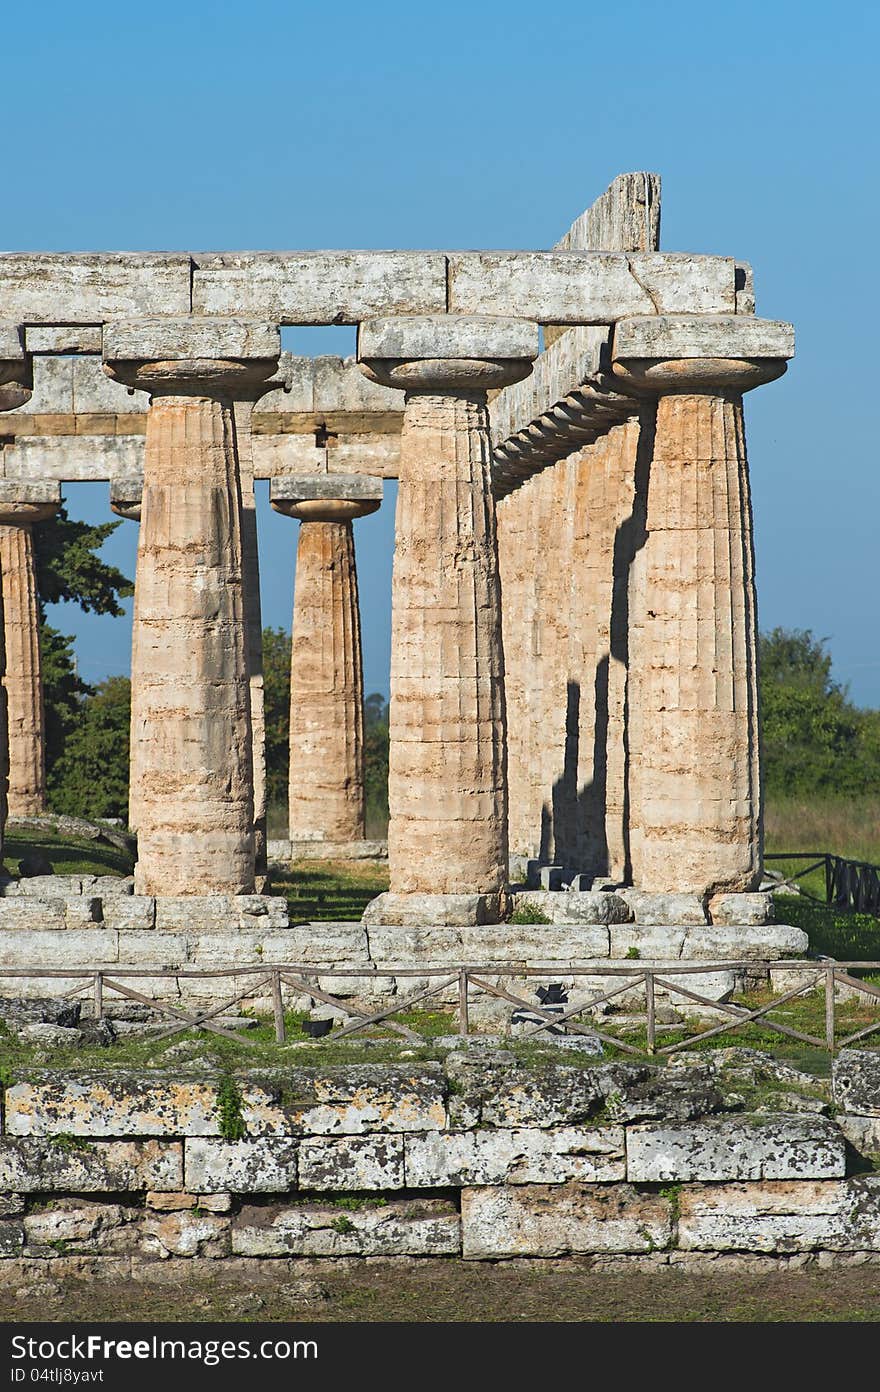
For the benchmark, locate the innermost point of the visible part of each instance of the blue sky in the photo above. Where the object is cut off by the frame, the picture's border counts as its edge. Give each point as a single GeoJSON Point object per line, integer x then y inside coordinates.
{"type": "Point", "coordinates": [279, 125]}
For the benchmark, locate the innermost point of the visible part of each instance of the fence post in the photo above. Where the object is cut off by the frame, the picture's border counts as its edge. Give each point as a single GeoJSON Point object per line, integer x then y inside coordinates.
{"type": "Point", "coordinates": [278, 1007]}
{"type": "Point", "coordinates": [829, 1008]}
{"type": "Point", "coordinates": [649, 1004]}
{"type": "Point", "coordinates": [99, 995]}
{"type": "Point", "coordinates": [827, 877]}
{"type": "Point", "coordinates": [463, 1021]}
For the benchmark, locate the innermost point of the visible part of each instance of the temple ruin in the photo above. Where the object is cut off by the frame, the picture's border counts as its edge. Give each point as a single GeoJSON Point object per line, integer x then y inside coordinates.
{"type": "Point", "coordinates": [573, 672]}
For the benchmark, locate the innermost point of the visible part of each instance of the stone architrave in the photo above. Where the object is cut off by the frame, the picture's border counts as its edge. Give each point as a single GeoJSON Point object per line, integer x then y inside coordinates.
{"type": "Point", "coordinates": [16, 385]}
{"type": "Point", "coordinates": [447, 836]}
{"type": "Point", "coordinates": [194, 764]}
{"type": "Point", "coordinates": [326, 786]}
{"type": "Point", "coordinates": [695, 788]}
{"type": "Point", "coordinates": [21, 505]}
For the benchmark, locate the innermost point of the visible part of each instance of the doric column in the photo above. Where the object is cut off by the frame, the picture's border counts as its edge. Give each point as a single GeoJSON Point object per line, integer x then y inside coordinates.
{"type": "Point", "coordinates": [21, 505]}
{"type": "Point", "coordinates": [126, 492]}
{"type": "Point", "coordinates": [447, 837]}
{"type": "Point", "coordinates": [244, 410]}
{"type": "Point", "coordinates": [16, 384]}
{"type": "Point", "coordinates": [326, 787]}
{"type": "Point", "coordinates": [190, 677]}
{"type": "Point", "coordinates": [695, 789]}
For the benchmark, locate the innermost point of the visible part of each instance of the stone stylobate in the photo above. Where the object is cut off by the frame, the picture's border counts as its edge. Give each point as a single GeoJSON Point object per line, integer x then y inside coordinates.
{"type": "Point", "coordinates": [695, 794]}
{"type": "Point", "coordinates": [326, 788]}
{"type": "Point", "coordinates": [447, 837]}
{"type": "Point", "coordinates": [190, 665]}
{"type": "Point", "coordinates": [21, 505]}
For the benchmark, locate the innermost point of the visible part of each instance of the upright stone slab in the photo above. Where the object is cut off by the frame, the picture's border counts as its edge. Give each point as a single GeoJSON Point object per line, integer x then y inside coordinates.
{"type": "Point", "coordinates": [195, 764]}
{"type": "Point", "coordinates": [447, 767]}
{"type": "Point", "coordinates": [21, 505]}
{"type": "Point", "coordinates": [326, 788]}
{"type": "Point", "coordinates": [695, 794]}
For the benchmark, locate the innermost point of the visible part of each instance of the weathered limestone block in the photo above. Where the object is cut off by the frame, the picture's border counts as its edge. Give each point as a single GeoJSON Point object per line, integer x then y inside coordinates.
{"type": "Point", "coordinates": [129, 1104]}
{"type": "Point", "coordinates": [321, 944]}
{"type": "Point", "coordinates": [664, 908]}
{"type": "Point", "coordinates": [87, 287]}
{"type": "Point", "coordinates": [742, 909]}
{"type": "Point", "coordinates": [535, 942]}
{"type": "Point", "coordinates": [31, 1165]}
{"type": "Point", "coordinates": [414, 909]}
{"type": "Point", "coordinates": [428, 1228]}
{"type": "Point", "coordinates": [447, 789]}
{"type": "Point", "coordinates": [264, 1165]}
{"type": "Point", "coordinates": [221, 1202]}
{"type": "Point", "coordinates": [453, 1159]}
{"type": "Point", "coordinates": [781, 1217]}
{"type": "Point", "coordinates": [80, 911]}
{"type": "Point", "coordinates": [771, 1147]}
{"type": "Point", "coordinates": [78, 1226]}
{"type": "Point", "coordinates": [733, 943]}
{"type": "Point", "coordinates": [186, 1235]}
{"type": "Point", "coordinates": [583, 907]}
{"type": "Point", "coordinates": [862, 1132]}
{"type": "Point", "coordinates": [50, 886]}
{"type": "Point", "coordinates": [129, 913]}
{"type": "Point", "coordinates": [707, 336]}
{"type": "Point", "coordinates": [29, 945]}
{"type": "Point", "coordinates": [25, 913]}
{"type": "Point", "coordinates": [12, 1238]}
{"type": "Point", "coordinates": [653, 942]}
{"type": "Point", "coordinates": [358, 1098]}
{"type": "Point", "coordinates": [403, 945]}
{"type": "Point", "coordinates": [219, 912]}
{"type": "Point", "coordinates": [352, 1162]}
{"type": "Point", "coordinates": [856, 1076]}
{"type": "Point", "coordinates": [555, 1220]}
{"type": "Point", "coordinates": [12, 1204]}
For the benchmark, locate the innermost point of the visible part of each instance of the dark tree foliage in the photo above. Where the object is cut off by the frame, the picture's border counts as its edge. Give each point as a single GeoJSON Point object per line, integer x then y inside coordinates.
{"type": "Point", "coordinates": [90, 778]}
{"type": "Point", "coordinates": [69, 568]}
{"type": "Point", "coordinates": [814, 739]}
{"type": "Point", "coordinates": [376, 762]}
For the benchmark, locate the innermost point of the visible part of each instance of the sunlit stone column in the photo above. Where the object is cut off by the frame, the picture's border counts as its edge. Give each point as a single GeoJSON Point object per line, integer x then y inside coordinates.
{"type": "Point", "coordinates": [326, 797]}
{"type": "Point", "coordinates": [447, 838]}
{"type": "Point", "coordinates": [194, 767]}
{"type": "Point", "coordinates": [244, 410]}
{"type": "Point", "coordinates": [126, 491]}
{"type": "Point", "coordinates": [16, 385]}
{"type": "Point", "coordinates": [695, 788]}
{"type": "Point", "coordinates": [21, 505]}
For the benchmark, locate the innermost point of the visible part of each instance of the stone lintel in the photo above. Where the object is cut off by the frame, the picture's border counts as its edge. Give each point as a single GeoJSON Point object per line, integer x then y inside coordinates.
{"type": "Point", "coordinates": [703, 336]}
{"type": "Point", "coordinates": [66, 339]}
{"type": "Point", "coordinates": [476, 337]}
{"type": "Point", "coordinates": [174, 340]}
{"type": "Point", "coordinates": [350, 487]}
{"type": "Point", "coordinates": [30, 491]}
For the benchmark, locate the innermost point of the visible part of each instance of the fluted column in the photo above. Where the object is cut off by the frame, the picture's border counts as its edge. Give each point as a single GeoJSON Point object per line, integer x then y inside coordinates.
{"type": "Point", "coordinates": [695, 794]}
{"type": "Point", "coordinates": [447, 836]}
{"type": "Point", "coordinates": [126, 492]}
{"type": "Point", "coordinates": [16, 384]}
{"type": "Point", "coordinates": [326, 787]}
{"type": "Point", "coordinates": [194, 765]}
{"type": "Point", "coordinates": [21, 505]}
{"type": "Point", "coordinates": [244, 411]}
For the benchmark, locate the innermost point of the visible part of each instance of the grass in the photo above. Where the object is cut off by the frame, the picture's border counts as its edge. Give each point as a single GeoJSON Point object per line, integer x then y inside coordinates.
{"type": "Point", "coordinates": [67, 855]}
{"type": "Point", "coordinates": [329, 891]}
{"type": "Point", "coordinates": [849, 827]}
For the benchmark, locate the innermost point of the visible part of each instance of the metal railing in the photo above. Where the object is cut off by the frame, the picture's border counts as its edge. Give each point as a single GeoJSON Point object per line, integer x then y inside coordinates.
{"type": "Point", "coordinates": [465, 983]}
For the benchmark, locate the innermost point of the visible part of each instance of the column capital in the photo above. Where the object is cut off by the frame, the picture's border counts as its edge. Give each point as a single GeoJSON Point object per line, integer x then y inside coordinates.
{"type": "Point", "coordinates": [192, 357]}
{"type": "Point", "coordinates": [326, 497]}
{"type": "Point", "coordinates": [699, 354]}
{"type": "Point", "coordinates": [126, 493]}
{"type": "Point", "coordinates": [447, 353]}
{"type": "Point", "coordinates": [16, 367]}
{"type": "Point", "coordinates": [22, 503]}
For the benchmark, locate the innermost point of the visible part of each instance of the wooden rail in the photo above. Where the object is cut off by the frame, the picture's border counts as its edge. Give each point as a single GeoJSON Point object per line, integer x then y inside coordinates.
{"type": "Point", "coordinates": [464, 984]}
{"type": "Point", "coordinates": [850, 885]}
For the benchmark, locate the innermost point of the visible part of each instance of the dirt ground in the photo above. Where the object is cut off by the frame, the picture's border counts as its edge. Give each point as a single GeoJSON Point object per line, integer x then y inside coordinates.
{"type": "Point", "coordinates": [451, 1291]}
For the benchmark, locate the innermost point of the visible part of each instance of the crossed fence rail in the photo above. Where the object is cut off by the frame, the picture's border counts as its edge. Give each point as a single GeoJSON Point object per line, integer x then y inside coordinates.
{"type": "Point", "coordinates": [468, 982]}
{"type": "Point", "coordinates": [850, 885]}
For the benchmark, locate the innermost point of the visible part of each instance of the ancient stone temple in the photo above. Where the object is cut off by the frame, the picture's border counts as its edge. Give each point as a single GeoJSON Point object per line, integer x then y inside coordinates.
{"type": "Point", "coordinates": [573, 679]}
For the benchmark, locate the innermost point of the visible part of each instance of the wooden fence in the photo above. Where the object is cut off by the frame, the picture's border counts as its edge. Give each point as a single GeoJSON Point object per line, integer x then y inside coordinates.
{"type": "Point", "coordinates": [850, 885]}
{"type": "Point", "coordinates": [466, 983]}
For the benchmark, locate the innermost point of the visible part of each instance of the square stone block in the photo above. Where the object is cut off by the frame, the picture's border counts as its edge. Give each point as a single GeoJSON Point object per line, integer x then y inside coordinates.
{"type": "Point", "coordinates": [775, 1146]}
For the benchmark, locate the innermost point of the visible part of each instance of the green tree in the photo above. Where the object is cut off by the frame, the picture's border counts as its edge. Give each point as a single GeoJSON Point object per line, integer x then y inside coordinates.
{"type": "Point", "coordinates": [376, 763]}
{"type": "Point", "coordinates": [814, 739]}
{"type": "Point", "coordinates": [90, 776]}
{"type": "Point", "coordinates": [70, 569]}
{"type": "Point", "coordinates": [276, 686]}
